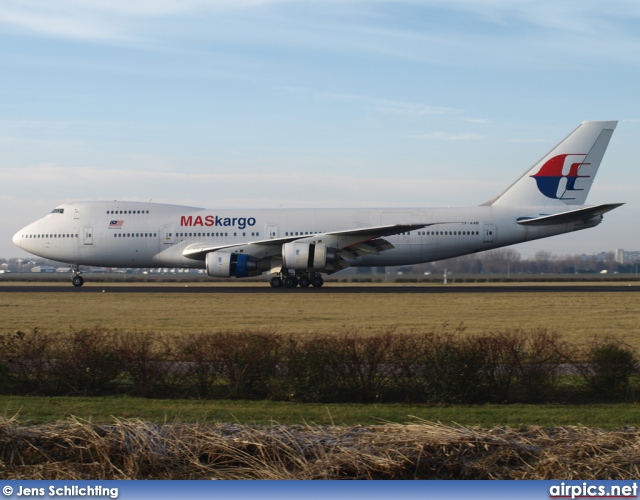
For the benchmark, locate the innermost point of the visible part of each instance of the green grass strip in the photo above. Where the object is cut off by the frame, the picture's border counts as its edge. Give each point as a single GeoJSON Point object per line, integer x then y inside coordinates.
{"type": "Point", "coordinates": [36, 409]}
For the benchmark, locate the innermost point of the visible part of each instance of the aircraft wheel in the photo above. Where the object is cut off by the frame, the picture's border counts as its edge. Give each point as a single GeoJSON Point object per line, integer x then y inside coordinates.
{"type": "Point", "coordinates": [290, 282]}
{"type": "Point", "coordinates": [77, 281]}
{"type": "Point", "coordinates": [317, 281]}
{"type": "Point", "coordinates": [275, 282]}
{"type": "Point", "coordinates": [304, 282]}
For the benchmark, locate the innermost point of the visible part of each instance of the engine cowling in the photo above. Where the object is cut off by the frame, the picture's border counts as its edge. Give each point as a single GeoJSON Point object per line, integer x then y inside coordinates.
{"type": "Point", "coordinates": [303, 256]}
{"type": "Point", "coordinates": [227, 265]}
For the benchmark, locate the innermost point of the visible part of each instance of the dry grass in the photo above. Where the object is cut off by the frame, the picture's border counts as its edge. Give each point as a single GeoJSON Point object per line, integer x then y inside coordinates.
{"type": "Point", "coordinates": [577, 316]}
{"type": "Point", "coordinates": [133, 449]}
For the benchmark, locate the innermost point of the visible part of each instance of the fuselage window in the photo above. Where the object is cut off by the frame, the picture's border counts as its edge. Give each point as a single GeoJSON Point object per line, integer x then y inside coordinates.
{"type": "Point", "coordinates": [226, 234]}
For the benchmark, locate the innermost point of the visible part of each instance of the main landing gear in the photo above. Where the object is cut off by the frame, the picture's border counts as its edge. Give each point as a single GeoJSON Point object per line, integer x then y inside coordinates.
{"type": "Point", "coordinates": [76, 279]}
{"type": "Point", "coordinates": [290, 281]}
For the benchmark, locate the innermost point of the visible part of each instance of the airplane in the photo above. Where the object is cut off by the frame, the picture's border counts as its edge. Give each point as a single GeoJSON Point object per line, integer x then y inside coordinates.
{"type": "Point", "coordinates": [298, 246]}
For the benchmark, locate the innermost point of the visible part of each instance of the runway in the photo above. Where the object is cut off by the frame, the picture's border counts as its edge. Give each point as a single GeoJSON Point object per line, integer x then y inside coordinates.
{"type": "Point", "coordinates": [327, 289]}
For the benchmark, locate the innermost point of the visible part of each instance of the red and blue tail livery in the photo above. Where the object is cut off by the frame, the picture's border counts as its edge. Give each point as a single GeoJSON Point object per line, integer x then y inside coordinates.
{"type": "Point", "coordinates": [557, 177]}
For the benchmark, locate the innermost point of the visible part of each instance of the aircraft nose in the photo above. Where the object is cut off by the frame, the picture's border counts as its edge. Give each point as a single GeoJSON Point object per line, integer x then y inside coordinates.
{"type": "Point", "coordinates": [17, 238]}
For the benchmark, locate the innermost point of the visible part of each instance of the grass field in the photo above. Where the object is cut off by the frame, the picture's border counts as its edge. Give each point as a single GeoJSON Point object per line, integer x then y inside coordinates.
{"type": "Point", "coordinates": [577, 316]}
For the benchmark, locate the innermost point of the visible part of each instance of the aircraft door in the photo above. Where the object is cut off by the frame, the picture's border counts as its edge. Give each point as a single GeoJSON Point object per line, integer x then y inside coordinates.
{"type": "Point", "coordinates": [271, 231]}
{"type": "Point", "coordinates": [489, 233]}
{"type": "Point", "coordinates": [87, 235]}
{"type": "Point", "coordinates": [166, 236]}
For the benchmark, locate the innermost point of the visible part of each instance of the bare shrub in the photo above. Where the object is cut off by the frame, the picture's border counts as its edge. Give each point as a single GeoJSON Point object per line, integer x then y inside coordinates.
{"type": "Point", "coordinates": [306, 370]}
{"type": "Point", "coordinates": [362, 366]}
{"type": "Point", "coordinates": [450, 366]}
{"type": "Point", "coordinates": [347, 366]}
{"type": "Point", "coordinates": [247, 361]}
{"type": "Point", "coordinates": [146, 359]}
{"type": "Point", "coordinates": [28, 358]}
{"type": "Point", "coordinates": [608, 365]}
{"type": "Point", "coordinates": [201, 366]}
{"type": "Point", "coordinates": [524, 365]}
{"type": "Point", "coordinates": [86, 361]}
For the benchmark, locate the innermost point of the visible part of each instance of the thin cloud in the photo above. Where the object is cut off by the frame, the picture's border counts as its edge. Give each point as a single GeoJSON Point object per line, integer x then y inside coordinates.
{"type": "Point", "coordinates": [564, 31]}
{"type": "Point", "coordinates": [482, 121]}
{"type": "Point", "coordinates": [382, 105]}
{"type": "Point", "coordinates": [98, 183]}
{"type": "Point", "coordinates": [443, 136]}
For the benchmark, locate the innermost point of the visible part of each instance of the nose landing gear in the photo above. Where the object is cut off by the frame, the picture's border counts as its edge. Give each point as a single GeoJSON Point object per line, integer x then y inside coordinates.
{"type": "Point", "coordinates": [76, 279]}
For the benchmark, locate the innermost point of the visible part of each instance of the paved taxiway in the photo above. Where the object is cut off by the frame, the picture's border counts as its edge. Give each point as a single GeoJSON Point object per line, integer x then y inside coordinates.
{"type": "Point", "coordinates": [327, 289]}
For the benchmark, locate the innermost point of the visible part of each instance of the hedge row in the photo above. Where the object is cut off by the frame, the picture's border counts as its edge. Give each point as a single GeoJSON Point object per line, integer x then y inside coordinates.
{"type": "Point", "coordinates": [447, 366]}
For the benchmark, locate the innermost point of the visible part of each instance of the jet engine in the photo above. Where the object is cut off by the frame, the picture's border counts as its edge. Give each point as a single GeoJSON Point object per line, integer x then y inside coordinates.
{"type": "Point", "coordinates": [226, 265]}
{"type": "Point", "coordinates": [303, 256]}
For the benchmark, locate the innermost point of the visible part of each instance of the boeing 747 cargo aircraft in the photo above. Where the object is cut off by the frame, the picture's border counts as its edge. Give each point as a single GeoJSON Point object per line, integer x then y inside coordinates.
{"type": "Point", "coordinates": [298, 246]}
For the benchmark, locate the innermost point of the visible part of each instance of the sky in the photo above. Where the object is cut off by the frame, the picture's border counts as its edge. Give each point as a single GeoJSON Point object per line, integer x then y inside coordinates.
{"type": "Point", "coordinates": [312, 103]}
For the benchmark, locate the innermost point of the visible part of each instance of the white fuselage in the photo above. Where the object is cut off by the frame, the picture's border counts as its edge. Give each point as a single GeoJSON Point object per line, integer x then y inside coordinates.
{"type": "Point", "coordinates": [120, 234]}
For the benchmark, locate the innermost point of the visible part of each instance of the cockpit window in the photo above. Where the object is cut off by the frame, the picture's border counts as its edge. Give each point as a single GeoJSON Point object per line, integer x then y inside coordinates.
{"type": "Point", "coordinates": [57, 211]}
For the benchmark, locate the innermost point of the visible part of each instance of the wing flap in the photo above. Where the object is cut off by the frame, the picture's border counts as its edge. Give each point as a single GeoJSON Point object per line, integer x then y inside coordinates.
{"type": "Point", "coordinates": [371, 247]}
{"type": "Point", "coordinates": [198, 251]}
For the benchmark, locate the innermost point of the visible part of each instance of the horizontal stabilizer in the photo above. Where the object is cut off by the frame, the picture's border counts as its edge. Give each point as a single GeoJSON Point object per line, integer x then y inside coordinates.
{"type": "Point", "coordinates": [581, 214]}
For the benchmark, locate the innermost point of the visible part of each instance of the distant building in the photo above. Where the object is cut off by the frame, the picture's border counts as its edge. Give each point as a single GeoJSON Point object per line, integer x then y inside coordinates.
{"type": "Point", "coordinates": [43, 269]}
{"type": "Point", "coordinates": [627, 257]}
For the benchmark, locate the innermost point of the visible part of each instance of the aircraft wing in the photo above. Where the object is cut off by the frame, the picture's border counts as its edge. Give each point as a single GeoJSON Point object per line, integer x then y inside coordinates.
{"type": "Point", "coordinates": [351, 242]}
{"type": "Point", "coordinates": [578, 215]}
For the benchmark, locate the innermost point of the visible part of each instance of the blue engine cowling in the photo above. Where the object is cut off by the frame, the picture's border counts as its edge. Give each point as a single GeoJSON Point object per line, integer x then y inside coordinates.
{"type": "Point", "coordinates": [227, 265]}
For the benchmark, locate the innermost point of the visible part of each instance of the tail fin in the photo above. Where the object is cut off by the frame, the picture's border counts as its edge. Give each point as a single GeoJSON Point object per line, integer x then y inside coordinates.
{"type": "Point", "coordinates": [564, 176]}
